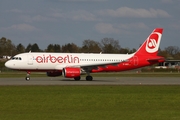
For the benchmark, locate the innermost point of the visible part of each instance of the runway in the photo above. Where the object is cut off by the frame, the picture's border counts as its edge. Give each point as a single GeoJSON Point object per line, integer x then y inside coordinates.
{"type": "Point", "coordinates": [96, 81]}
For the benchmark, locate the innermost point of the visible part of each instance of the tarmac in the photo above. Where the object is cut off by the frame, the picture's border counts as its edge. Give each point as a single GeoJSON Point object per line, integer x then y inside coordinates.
{"type": "Point", "coordinates": [96, 81]}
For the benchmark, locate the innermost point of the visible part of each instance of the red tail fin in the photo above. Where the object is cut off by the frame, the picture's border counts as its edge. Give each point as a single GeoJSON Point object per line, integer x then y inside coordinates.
{"type": "Point", "coordinates": [151, 45]}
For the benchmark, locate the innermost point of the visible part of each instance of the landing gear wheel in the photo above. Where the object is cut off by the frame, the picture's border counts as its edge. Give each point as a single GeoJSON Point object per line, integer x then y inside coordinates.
{"type": "Point", "coordinates": [77, 78]}
{"type": "Point", "coordinates": [27, 78]}
{"type": "Point", "coordinates": [89, 78]}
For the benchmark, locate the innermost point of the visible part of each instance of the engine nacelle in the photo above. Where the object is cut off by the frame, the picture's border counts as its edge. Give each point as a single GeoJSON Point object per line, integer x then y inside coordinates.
{"type": "Point", "coordinates": [54, 73]}
{"type": "Point", "coordinates": [71, 72]}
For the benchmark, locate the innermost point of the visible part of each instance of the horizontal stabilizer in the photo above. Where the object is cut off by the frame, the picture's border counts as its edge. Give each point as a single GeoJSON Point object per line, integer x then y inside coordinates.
{"type": "Point", "coordinates": [160, 59]}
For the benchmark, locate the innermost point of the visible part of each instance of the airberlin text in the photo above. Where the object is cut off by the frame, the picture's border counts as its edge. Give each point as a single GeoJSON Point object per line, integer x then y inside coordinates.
{"type": "Point", "coordinates": [57, 59]}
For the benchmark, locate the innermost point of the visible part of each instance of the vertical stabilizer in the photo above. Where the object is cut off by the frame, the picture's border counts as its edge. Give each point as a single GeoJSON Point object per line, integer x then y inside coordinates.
{"type": "Point", "coordinates": [151, 45]}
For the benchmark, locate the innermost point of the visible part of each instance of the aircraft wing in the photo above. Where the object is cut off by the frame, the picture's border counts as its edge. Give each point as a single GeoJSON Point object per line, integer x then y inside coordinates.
{"type": "Point", "coordinates": [89, 66]}
{"type": "Point", "coordinates": [95, 66]}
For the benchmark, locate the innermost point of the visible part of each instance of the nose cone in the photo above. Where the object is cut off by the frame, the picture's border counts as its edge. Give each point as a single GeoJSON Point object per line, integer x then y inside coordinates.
{"type": "Point", "coordinates": [8, 64]}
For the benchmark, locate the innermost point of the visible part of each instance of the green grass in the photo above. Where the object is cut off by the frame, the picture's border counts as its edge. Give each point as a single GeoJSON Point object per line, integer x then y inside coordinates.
{"type": "Point", "coordinates": [89, 102]}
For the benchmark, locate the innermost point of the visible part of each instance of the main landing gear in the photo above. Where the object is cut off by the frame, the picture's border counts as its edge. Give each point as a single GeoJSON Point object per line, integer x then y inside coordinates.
{"type": "Point", "coordinates": [88, 78]}
{"type": "Point", "coordinates": [77, 78]}
{"type": "Point", "coordinates": [28, 76]}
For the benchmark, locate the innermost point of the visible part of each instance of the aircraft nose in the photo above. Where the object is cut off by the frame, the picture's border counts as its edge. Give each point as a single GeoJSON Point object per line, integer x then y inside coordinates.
{"type": "Point", "coordinates": [8, 64]}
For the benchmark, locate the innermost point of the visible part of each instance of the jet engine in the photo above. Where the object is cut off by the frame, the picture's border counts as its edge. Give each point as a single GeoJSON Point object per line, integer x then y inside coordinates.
{"type": "Point", "coordinates": [54, 73]}
{"type": "Point", "coordinates": [71, 72]}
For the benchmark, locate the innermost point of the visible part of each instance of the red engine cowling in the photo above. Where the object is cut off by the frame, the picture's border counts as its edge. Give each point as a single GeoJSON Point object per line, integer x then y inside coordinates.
{"type": "Point", "coordinates": [54, 73]}
{"type": "Point", "coordinates": [71, 72]}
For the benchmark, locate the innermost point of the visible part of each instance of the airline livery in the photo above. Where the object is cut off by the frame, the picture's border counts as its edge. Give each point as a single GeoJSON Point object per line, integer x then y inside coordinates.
{"type": "Point", "coordinates": [73, 65]}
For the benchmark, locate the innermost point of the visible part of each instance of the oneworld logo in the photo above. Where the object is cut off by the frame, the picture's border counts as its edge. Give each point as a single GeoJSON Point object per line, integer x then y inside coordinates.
{"type": "Point", "coordinates": [153, 42]}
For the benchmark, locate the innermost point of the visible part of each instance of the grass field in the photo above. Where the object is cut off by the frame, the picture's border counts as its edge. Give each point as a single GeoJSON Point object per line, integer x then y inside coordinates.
{"type": "Point", "coordinates": [89, 102]}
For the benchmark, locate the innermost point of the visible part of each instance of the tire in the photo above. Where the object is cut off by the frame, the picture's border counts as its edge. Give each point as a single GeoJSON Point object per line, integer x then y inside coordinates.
{"type": "Point", "coordinates": [89, 78]}
{"type": "Point", "coordinates": [27, 78]}
{"type": "Point", "coordinates": [77, 78]}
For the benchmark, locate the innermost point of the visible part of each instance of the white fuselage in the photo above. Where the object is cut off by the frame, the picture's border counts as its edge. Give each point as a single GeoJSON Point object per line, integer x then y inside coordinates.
{"type": "Point", "coordinates": [58, 61]}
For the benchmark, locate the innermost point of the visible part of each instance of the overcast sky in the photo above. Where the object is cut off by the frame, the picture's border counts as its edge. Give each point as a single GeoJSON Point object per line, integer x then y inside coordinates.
{"type": "Point", "coordinates": [71, 21]}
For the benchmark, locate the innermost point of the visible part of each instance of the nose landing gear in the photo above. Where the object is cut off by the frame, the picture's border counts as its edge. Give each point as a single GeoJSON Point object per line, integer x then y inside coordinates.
{"type": "Point", "coordinates": [28, 76]}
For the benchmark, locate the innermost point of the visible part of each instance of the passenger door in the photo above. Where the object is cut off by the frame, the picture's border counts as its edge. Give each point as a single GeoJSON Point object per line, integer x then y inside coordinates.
{"type": "Point", "coordinates": [30, 59]}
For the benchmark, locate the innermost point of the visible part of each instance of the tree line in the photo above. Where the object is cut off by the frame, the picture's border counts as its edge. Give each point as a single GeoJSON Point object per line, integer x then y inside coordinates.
{"type": "Point", "coordinates": [106, 45]}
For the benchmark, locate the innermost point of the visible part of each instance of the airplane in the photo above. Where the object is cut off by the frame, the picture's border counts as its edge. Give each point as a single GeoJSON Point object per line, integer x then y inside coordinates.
{"type": "Point", "coordinates": [73, 65]}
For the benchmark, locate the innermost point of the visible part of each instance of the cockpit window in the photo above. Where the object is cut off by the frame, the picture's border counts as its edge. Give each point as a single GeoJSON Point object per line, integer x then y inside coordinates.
{"type": "Point", "coordinates": [16, 58]}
